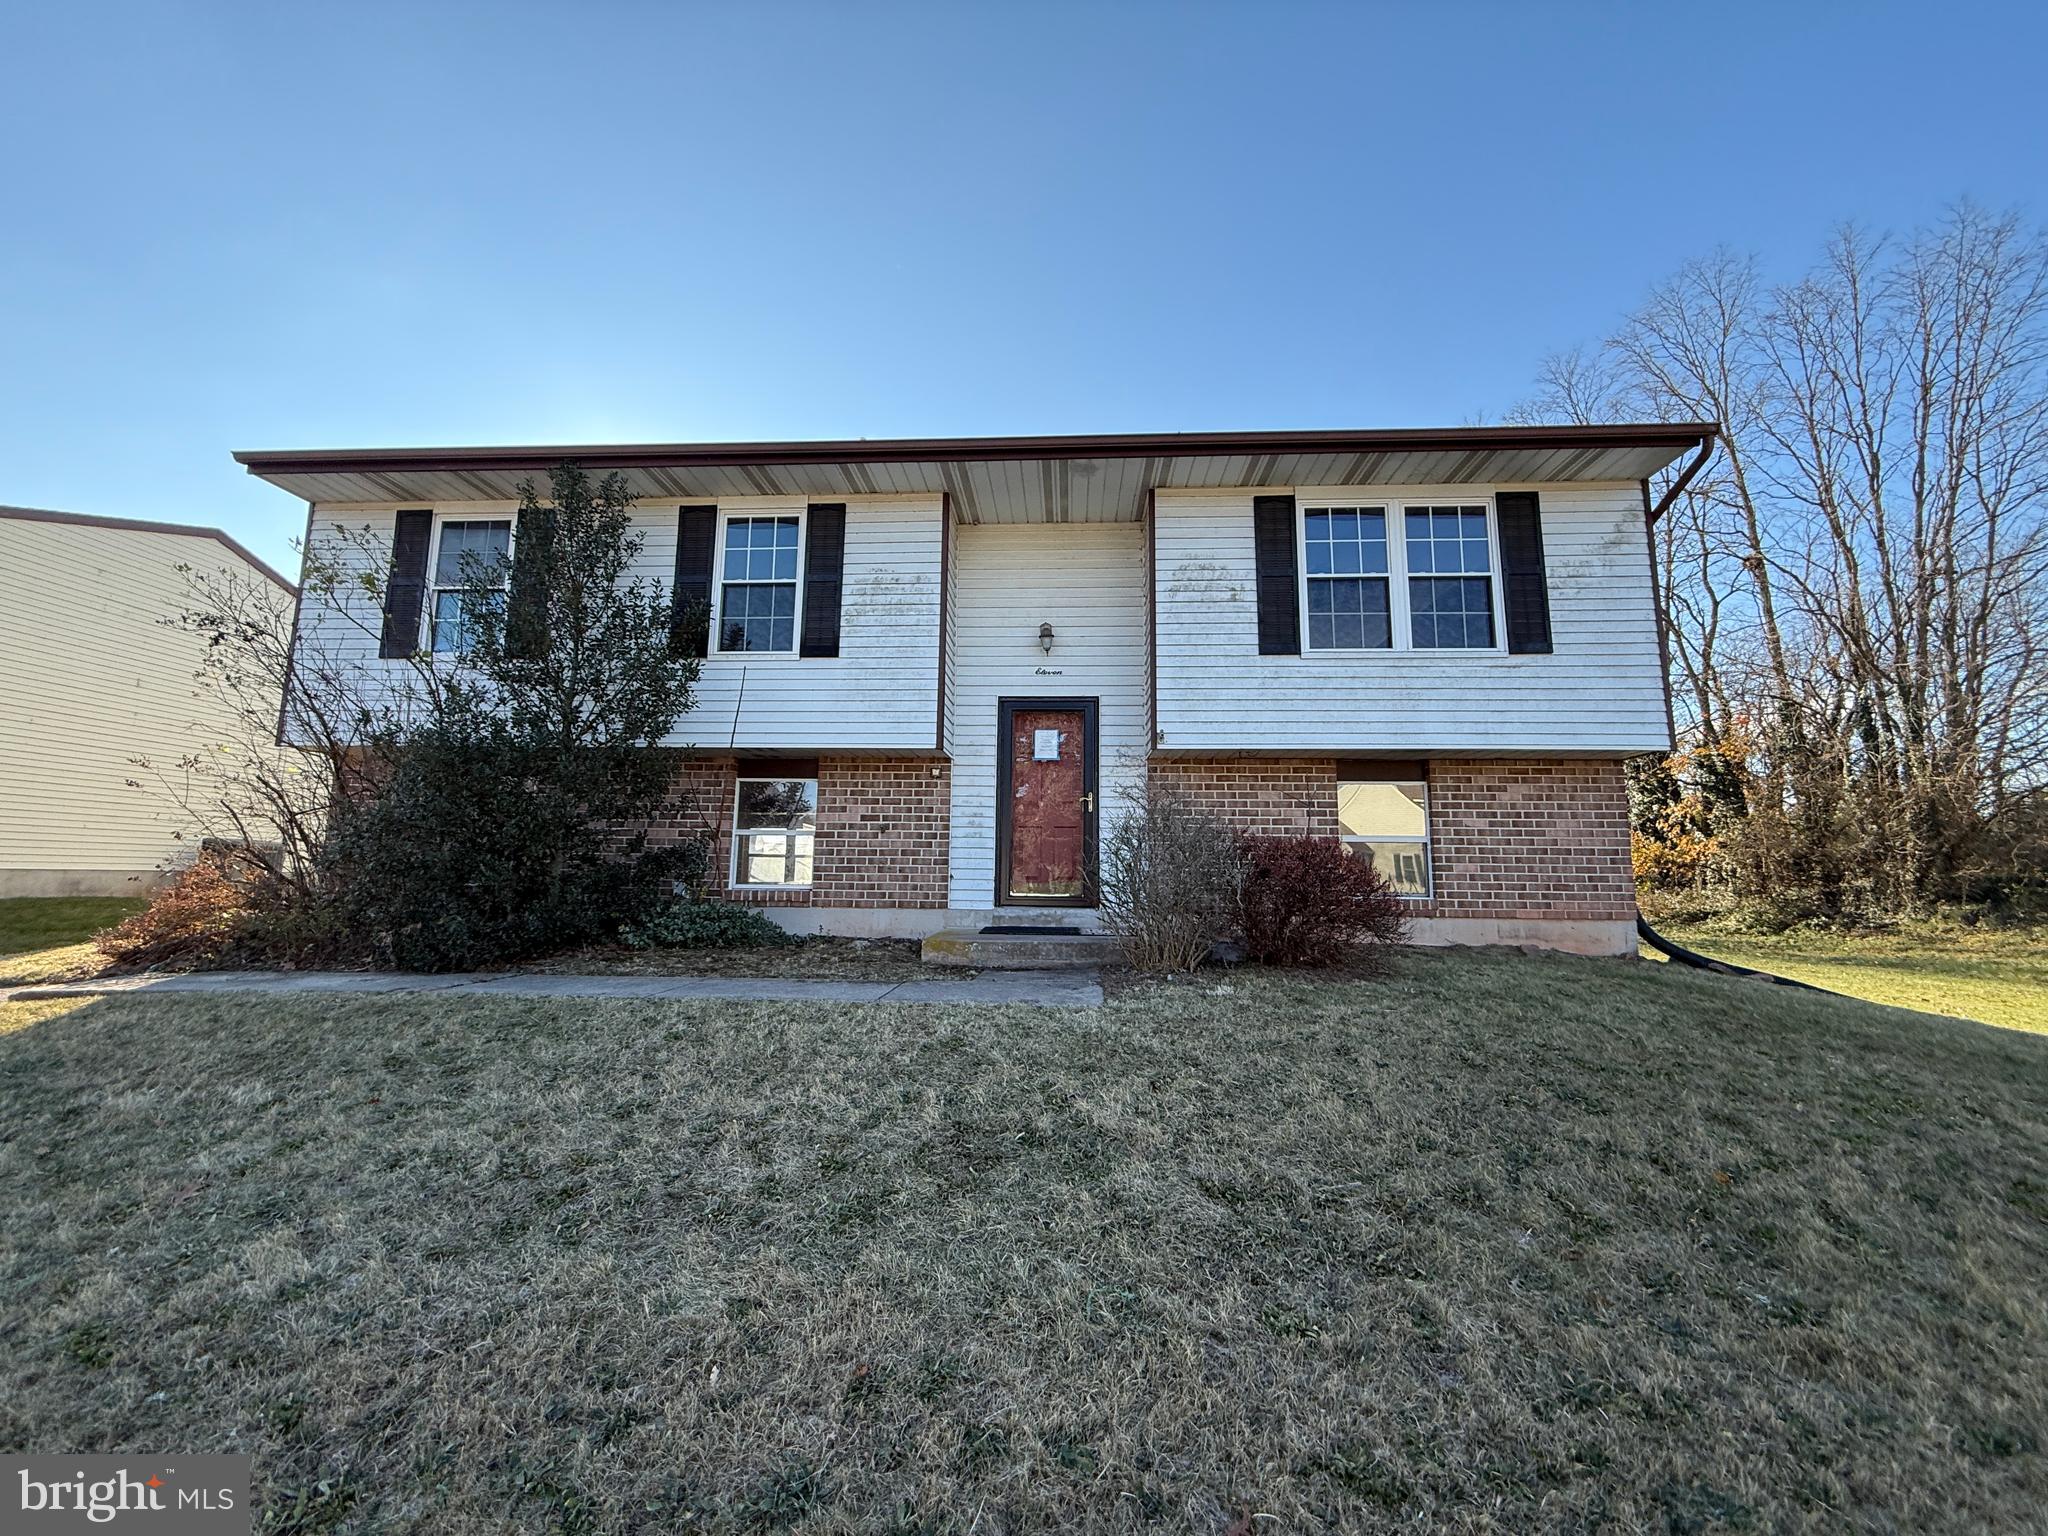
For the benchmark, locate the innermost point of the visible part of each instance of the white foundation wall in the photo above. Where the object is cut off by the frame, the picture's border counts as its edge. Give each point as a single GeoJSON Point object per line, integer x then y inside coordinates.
{"type": "Point", "coordinates": [1087, 580]}
{"type": "Point", "coordinates": [879, 693]}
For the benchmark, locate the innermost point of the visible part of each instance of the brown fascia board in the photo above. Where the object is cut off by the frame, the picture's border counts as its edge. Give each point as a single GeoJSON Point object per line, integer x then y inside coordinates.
{"type": "Point", "coordinates": [140, 525]}
{"type": "Point", "coordinates": [908, 450]}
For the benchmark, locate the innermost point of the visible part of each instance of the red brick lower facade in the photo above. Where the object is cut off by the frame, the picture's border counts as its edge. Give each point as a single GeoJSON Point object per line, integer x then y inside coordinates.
{"type": "Point", "coordinates": [883, 827]}
{"type": "Point", "coordinates": [1530, 838]}
{"type": "Point", "coordinates": [1541, 839]}
{"type": "Point", "coordinates": [1266, 796]}
{"type": "Point", "coordinates": [883, 830]}
{"type": "Point", "coordinates": [1521, 850]}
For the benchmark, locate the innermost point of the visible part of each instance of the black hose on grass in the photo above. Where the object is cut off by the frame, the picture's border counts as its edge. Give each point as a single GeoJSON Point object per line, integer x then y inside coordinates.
{"type": "Point", "coordinates": [1675, 951]}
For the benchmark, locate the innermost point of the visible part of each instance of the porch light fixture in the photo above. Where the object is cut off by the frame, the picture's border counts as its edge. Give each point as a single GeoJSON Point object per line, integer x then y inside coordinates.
{"type": "Point", "coordinates": [1045, 638]}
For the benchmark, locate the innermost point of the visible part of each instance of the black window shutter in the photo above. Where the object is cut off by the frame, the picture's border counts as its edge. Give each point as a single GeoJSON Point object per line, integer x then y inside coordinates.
{"type": "Point", "coordinates": [689, 625]}
{"type": "Point", "coordinates": [1273, 552]}
{"type": "Point", "coordinates": [1525, 592]}
{"type": "Point", "coordinates": [406, 589]}
{"type": "Point", "coordinates": [526, 611]}
{"type": "Point", "coordinates": [824, 567]}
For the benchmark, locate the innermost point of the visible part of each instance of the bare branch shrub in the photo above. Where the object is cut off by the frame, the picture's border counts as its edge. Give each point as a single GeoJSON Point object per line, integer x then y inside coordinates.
{"type": "Point", "coordinates": [260, 807]}
{"type": "Point", "coordinates": [1169, 881]}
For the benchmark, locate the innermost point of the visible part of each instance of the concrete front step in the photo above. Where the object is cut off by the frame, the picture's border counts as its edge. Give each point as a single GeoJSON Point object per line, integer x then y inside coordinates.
{"type": "Point", "coordinates": [1017, 951]}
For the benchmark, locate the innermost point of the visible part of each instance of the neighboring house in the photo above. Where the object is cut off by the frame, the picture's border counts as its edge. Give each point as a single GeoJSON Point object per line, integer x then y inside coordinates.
{"type": "Point", "coordinates": [93, 679]}
{"type": "Point", "coordinates": [934, 670]}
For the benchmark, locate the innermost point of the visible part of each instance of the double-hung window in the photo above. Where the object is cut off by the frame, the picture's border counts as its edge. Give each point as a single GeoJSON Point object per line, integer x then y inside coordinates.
{"type": "Point", "coordinates": [468, 554]}
{"type": "Point", "coordinates": [1450, 577]}
{"type": "Point", "coordinates": [1388, 823]}
{"type": "Point", "coordinates": [1344, 552]}
{"type": "Point", "coordinates": [1397, 574]}
{"type": "Point", "coordinates": [757, 591]}
{"type": "Point", "coordinates": [775, 825]}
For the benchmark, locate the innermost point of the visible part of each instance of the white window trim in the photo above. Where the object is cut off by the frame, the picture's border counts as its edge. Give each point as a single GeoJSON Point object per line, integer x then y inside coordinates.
{"type": "Point", "coordinates": [1428, 891]}
{"type": "Point", "coordinates": [435, 589]}
{"type": "Point", "coordinates": [726, 516]}
{"type": "Point", "coordinates": [732, 872]}
{"type": "Point", "coordinates": [1393, 500]}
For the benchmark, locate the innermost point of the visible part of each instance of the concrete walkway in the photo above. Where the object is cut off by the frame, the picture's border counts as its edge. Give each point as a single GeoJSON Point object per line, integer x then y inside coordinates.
{"type": "Point", "coordinates": [1049, 989]}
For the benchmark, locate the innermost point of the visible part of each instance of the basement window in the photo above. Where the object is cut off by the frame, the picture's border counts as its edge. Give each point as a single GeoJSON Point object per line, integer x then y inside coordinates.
{"type": "Point", "coordinates": [775, 824]}
{"type": "Point", "coordinates": [1388, 823]}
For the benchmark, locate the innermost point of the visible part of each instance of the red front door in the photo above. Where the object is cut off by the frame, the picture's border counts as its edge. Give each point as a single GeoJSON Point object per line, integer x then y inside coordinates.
{"type": "Point", "coordinates": [1049, 808]}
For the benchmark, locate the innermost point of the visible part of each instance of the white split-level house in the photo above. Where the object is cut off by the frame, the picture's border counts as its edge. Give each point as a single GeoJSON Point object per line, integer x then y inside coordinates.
{"type": "Point", "coordinates": [935, 670]}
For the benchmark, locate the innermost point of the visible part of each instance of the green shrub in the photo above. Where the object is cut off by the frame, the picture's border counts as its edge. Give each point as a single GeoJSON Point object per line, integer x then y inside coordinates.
{"type": "Point", "coordinates": [502, 785]}
{"type": "Point", "coordinates": [705, 925]}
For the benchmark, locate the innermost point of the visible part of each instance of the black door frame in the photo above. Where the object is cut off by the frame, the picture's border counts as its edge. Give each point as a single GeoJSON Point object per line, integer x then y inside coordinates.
{"type": "Point", "coordinates": [1006, 710]}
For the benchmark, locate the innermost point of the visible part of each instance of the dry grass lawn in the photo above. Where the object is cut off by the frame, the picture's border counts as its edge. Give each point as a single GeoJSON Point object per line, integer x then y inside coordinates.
{"type": "Point", "coordinates": [1994, 975]}
{"type": "Point", "coordinates": [49, 938]}
{"type": "Point", "coordinates": [816, 958]}
{"type": "Point", "coordinates": [1498, 1244]}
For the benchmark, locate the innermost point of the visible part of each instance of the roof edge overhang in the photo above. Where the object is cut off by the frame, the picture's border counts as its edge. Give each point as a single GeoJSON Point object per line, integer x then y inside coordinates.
{"type": "Point", "coordinates": [143, 525]}
{"type": "Point", "coordinates": [1676, 436]}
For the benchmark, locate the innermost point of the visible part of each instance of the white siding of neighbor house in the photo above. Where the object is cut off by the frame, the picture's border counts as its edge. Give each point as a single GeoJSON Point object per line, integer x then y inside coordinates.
{"type": "Point", "coordinates": [1088, 582]}
{"type": "Point", "coordinates": [879, 693]}
{"type": "Point", "coordinates": [93, 679]}
{"type": "Point", "coordinates": [1600, 692]}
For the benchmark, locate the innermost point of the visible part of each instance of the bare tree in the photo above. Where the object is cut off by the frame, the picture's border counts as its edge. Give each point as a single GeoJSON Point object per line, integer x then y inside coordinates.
{"type": "Point", "coordinates": [264, 788]}
{"type": "Point", "coordinates": [1858, 590]}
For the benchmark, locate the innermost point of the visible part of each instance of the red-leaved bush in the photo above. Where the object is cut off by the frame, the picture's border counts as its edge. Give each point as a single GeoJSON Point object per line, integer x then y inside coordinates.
{"type": "Point", "coordinates": [1306, 901]}
{"type": "Point", "coordinates": [192, 922]}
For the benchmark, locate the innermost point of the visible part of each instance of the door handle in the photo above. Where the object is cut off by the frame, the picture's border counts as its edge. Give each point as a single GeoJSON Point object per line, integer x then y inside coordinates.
{"type": "Point", "coordinates": [1088, 801]}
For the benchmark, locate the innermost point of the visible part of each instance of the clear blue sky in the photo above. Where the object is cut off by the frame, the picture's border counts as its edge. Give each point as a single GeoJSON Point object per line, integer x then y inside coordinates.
{"type": "Point", "coordinates": [285, 226]}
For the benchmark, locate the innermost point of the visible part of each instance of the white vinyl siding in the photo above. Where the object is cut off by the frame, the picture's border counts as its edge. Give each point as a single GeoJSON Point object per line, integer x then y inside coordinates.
{"type": "Point", "coordinates": [880, 692]}
{"type": "Point", "coordinates": [1600, 692]}
{"type": "Point", "coordinates": [1088, 582]}
{"type": "Point", "coordinates": [95, 678]}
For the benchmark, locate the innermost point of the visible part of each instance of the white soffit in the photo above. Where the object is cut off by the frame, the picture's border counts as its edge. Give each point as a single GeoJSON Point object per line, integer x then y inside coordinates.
{"type": "Point", "coordinates": [1061, 482]}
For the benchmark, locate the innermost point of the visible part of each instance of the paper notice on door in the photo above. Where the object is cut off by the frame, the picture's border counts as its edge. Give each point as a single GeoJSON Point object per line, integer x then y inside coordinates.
{"type": "Point", "coordinates": [1045, 746]}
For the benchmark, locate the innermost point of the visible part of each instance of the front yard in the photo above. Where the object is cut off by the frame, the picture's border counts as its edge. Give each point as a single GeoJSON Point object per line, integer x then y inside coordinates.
{"type": "Point", "coordinates": [44, 938]}
{"type": "Point", "coordinates": [1502, 1243]}
{"type": "Point", "coordinates": [1995, 975]}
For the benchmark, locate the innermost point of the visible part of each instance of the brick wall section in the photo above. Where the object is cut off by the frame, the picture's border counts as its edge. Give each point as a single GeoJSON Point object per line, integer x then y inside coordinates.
{"type": "Point", "coordinates": [1509, 838]}
{"type": "Point", "coordinates": [1536, 838]}
{"type": "Point", "coordinates": [1269, 796]}
{"type": "Point", "coordinates": [883, 824]}
{"type": "Point", "coordinates": [704, 793]}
